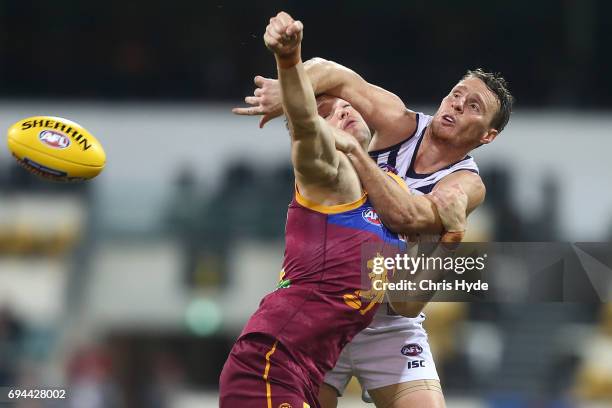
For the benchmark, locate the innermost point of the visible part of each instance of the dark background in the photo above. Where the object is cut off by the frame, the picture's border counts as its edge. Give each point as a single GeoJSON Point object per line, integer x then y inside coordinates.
{"type": "Point", "coordinates": [554, 53]}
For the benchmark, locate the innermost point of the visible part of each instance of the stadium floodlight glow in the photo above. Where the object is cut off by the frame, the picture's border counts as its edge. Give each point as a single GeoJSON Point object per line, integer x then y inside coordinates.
{"type": "Point", "coordinates": [203, 317]}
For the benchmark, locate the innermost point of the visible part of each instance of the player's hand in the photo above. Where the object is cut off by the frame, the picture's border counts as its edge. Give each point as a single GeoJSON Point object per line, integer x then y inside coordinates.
{"type": "Point", "coordinates": [266, 101]}
{"type": "Point", "coordinates": [345, 142]}
{"type": "Point", "coordinates": [451, 203]}
{"type": "Point", "coordinates": [283, 35]}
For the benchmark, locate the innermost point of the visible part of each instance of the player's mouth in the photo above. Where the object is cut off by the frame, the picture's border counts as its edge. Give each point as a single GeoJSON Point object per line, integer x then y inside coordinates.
{"type": "Point", "coordinates": [448, 120]}
{"type": "Point", "coordinates": [349, 123]}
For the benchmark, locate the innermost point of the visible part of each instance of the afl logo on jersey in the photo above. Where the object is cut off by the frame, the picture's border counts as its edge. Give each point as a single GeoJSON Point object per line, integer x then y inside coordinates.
{"type": "Point", "coordinates": [54, 139]}
{"type": "Point", "coordinates": [370, 216]}
{"type": "Point", "coordinates": [412, 350]}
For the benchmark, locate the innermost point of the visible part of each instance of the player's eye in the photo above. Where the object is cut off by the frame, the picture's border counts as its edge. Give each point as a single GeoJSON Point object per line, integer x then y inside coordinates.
{"type": "Point", "coordinates": [475, 107]}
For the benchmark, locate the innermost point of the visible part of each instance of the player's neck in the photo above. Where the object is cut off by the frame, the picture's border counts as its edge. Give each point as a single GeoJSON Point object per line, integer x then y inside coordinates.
{"type": "Point", "coordinates": [435, 154]}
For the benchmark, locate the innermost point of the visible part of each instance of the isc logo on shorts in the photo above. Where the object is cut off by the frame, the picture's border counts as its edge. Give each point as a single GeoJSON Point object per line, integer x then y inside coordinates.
{"type": "Point", "coordinates": [416, 364]}
{"type": "Point", "coordinates": [370, 216]}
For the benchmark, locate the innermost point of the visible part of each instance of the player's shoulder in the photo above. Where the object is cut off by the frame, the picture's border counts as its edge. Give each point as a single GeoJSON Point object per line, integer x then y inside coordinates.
{"type": "Point", "coordinates": [463, 176]}
{"type": "Point", "coordinates": [470, 182]}
{"type": "Point", "coordinates": [405, 128]}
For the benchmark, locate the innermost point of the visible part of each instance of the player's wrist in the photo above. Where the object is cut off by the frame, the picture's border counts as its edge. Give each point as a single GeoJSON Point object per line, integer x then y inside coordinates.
{"type": "Point", "coordinates": [289, 60]}
{"type": "Point", "coordinates": [452, 236]}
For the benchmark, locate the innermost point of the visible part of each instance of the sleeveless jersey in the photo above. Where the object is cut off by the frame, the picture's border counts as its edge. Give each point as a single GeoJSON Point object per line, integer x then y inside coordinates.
{"type": "Point", "coordinates": [401, 157]}
{"type": "Point", "coordinates": [317, 308]}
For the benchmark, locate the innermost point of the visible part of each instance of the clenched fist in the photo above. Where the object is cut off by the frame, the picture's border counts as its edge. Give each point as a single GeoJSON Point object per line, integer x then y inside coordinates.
{"type": "Point", "coordinates": [451, 203]}
{"type": "Point", "coordinates": [283, 35]}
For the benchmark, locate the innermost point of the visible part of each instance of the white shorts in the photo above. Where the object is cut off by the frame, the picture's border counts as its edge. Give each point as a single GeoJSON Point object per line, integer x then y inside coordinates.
{"type": "Point", "coordinates": [381, 358]}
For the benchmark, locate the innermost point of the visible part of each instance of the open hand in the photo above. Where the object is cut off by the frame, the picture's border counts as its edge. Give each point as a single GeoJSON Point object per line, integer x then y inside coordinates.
{"type": "Point", "coordinates": [266, 101]}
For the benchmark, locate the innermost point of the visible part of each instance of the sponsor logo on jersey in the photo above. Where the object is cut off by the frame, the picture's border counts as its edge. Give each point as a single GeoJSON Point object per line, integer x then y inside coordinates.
{"type": "Point", "coordinates": [412, 350]}
{"type": "Point", "coordinates": [285, 405]}
{"type": "Point", "coordinates": [370, 216]}
{"type": "Point", "coordinates": [54, 139]}
{"type": "Point", "coordinates": [416, 364]}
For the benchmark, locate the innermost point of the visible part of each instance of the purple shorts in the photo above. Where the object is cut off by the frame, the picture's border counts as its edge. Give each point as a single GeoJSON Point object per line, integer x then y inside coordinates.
{"type": "Point", "coordinates": [260, 373]}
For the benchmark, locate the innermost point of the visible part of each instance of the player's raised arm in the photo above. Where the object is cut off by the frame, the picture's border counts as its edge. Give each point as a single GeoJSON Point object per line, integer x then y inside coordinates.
{"type": "Point", "coordinates": [313, 151]}
{"type": "Point", "coordinates": [382, 110]}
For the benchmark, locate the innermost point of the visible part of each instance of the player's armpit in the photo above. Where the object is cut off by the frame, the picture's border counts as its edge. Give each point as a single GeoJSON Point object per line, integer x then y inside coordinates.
{"type": "Point", "coordinates": [382, 110]}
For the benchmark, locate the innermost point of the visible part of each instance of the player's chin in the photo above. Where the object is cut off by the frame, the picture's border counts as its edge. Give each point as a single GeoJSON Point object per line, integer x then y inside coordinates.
{"type": "Point", "coordinates": [361, 134]}
{"type": "Point", "coordinates": [444, 131]}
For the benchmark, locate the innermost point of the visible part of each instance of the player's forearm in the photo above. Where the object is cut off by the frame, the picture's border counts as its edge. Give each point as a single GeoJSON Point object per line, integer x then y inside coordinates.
{"type": "Point", "coordinates": [314, 155]}
{"type": "Point", "coordinates": [318, 70]}
{"type": "Point", "coordinates": [328, 77]}
{"type": "Point", "coordinates": [299, 101]}
{"type": "Point", "coordinates": [381, 109]}
{"type": "Point", "coordinates": [399, 210]}
{"type": "Point", "coordinates": [411, 303]}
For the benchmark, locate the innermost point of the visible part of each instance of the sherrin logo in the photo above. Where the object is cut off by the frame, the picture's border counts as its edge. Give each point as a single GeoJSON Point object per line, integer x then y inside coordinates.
{"type": "Point", "coordinates": [54, 139]}
{"type": "Point", "coordinates": [370, 216]}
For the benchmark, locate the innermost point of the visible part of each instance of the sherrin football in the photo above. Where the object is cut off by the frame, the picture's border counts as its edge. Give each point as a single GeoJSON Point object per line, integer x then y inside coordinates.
{"type": "Point", "coordinates": [56, 148]}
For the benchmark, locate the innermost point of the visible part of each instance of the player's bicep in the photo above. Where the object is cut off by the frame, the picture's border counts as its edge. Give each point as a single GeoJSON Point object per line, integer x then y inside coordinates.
{"type": "Point", "coordinates": [313, 152]}
{"type": "Point", "coordinates": [388, 116]}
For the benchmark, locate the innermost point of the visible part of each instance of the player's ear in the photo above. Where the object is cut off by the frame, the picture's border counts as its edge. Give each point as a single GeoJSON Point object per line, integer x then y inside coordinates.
{"type": "Point", "coordinates": [489, 136]}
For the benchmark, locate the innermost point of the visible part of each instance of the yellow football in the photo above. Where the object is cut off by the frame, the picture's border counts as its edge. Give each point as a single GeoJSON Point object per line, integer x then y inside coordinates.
{"type": "Point", "coordinates": [56, 148]}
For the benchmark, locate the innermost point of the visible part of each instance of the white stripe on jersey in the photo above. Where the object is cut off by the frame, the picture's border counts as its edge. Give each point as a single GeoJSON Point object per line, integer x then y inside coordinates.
{"type": "Point", "coordinates": [401, 157]}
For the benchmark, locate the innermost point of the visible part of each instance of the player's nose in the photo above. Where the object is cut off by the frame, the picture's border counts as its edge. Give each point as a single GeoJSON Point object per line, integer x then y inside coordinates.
{"type": "Point", "coordinates": [457, 105]}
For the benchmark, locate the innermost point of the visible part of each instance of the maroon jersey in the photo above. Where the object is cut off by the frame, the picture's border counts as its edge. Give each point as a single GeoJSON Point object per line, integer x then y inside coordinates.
{"type": "Point", "coordinates": [317, 308]}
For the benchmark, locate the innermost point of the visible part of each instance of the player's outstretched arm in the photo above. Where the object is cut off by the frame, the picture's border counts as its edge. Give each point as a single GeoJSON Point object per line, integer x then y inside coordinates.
{"type": "Point", "coordinates": [313, 150]}
{"type": "Point", "coordinates": [382, 110]}
{"type": "Point", "coordinates": [399, 210]}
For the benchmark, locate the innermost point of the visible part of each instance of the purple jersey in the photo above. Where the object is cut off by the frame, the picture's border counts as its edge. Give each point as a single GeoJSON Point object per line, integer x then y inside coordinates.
{"type": "Point", "coordinates": [317, 308]}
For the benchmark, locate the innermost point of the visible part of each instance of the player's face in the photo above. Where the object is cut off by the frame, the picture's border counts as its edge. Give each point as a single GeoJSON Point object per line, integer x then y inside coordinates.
{"type": "Point", "coordinates": [340, 114]}
{"type": "Point", "coordinates": [465, 114]}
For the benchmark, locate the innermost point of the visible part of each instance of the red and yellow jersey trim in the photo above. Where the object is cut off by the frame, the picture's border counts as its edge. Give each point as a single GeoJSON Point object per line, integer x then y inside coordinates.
{"type": "Point", "coordinates": [328, 209]}
{"type": "Point", "coordinates": [398, 180]}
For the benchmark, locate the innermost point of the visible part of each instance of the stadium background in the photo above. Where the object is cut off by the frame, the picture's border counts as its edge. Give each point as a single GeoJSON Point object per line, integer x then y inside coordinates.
{"type": "Point", "coordinates": [130, 289]}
